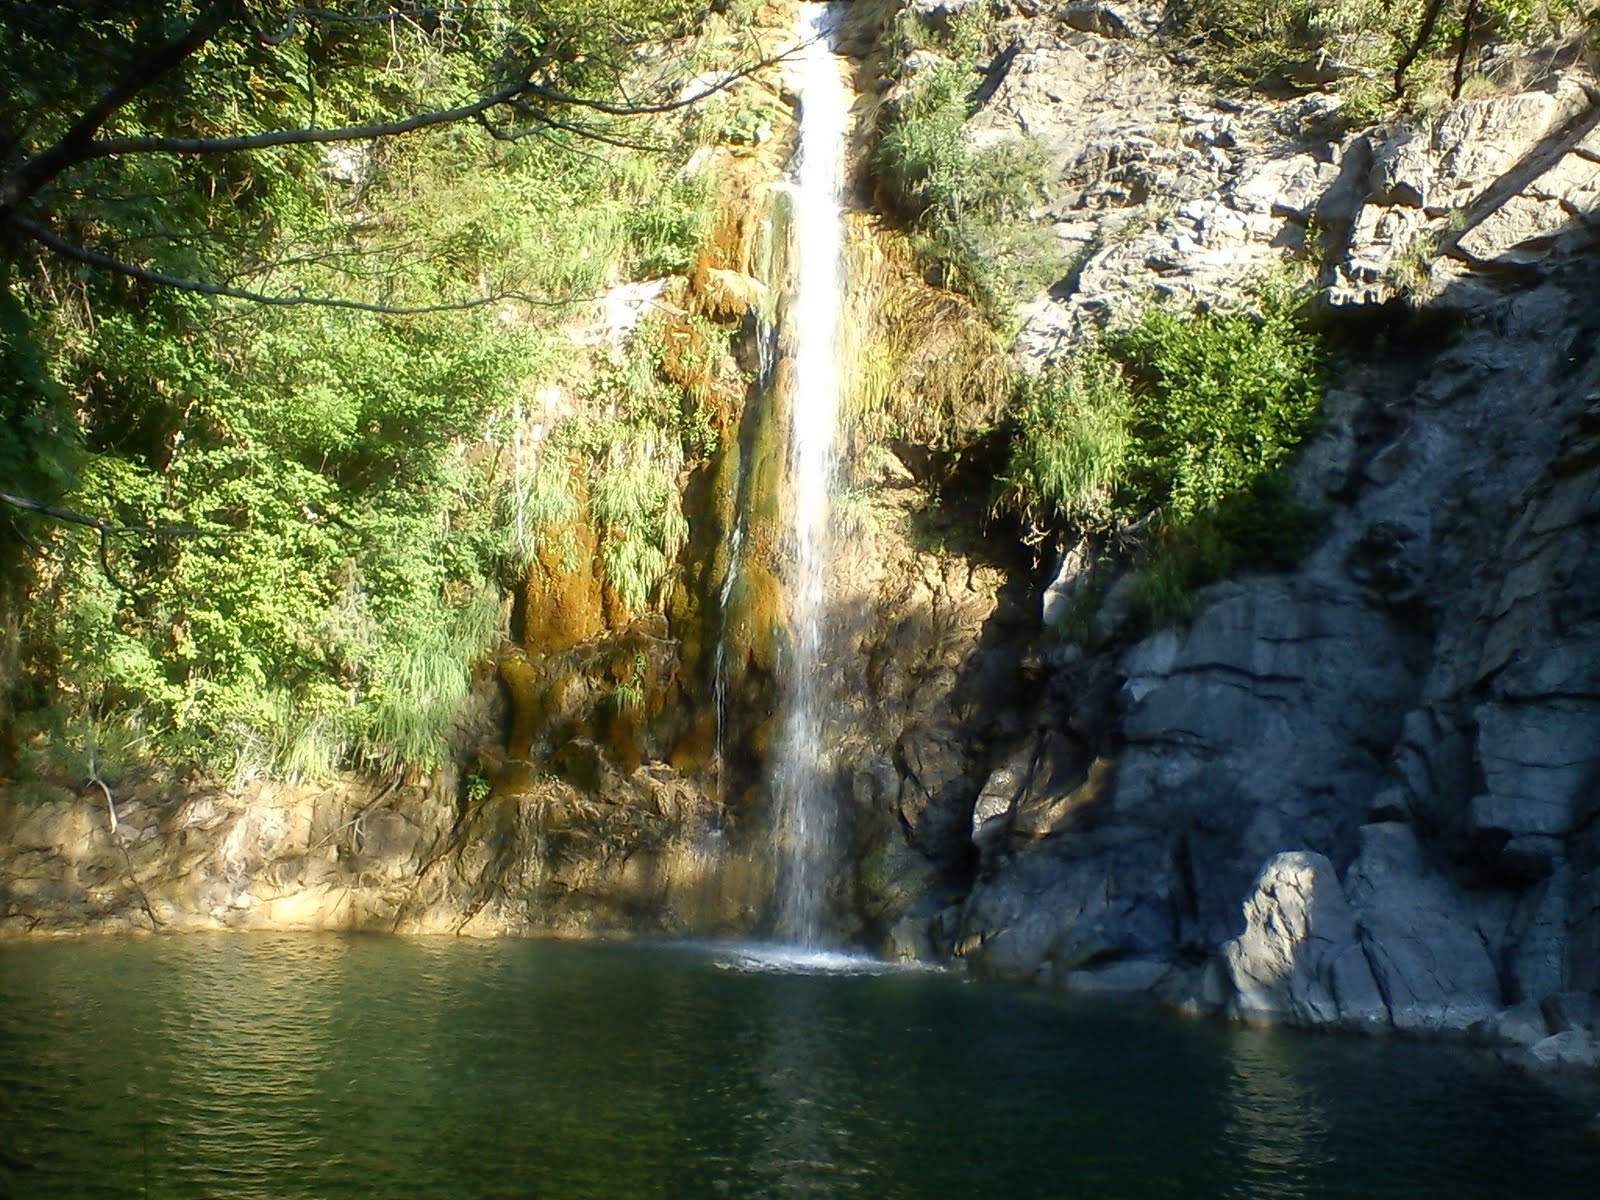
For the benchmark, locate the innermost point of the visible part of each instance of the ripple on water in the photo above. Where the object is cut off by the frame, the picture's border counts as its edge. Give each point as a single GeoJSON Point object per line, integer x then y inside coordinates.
{"type": "Point", "coordinates": [272, 1068]}
{"type": "Point", "coordinates": [773, 958]}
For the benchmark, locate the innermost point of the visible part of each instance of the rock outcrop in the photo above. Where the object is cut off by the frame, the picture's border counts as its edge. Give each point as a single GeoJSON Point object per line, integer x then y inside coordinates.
{"type": "Point", "coordinates": [1362, 793]}
{"type": "Point", "coordinates": [407, 858]}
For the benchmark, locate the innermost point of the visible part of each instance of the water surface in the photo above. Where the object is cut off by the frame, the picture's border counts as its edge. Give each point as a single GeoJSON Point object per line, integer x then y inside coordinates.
{"type": "Point", "coordinates": [308, 1066]}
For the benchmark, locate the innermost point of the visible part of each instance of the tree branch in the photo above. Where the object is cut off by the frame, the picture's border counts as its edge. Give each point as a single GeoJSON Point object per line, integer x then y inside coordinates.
{"type": "Point", "coordinates": [110, 147]}
{"type": "Point", "coordinates": [551, 96]}
{"type": "Point", "coordinates": [106, 528]}
{"type": "Point", "coordinates": [77, 143]}
{"type": "Point", "coordinates": [508, 95]}
{"type": "Point", "coordinates": [50, 239]}
{"type": "Point", "coordinates": [1430, 18]}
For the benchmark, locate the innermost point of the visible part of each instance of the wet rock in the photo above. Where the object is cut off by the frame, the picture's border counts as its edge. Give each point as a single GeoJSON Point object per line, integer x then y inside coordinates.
{"type": "Point", "coordinates": [1564, 1011]}
{"type": "Point", "coordinates": [1127, 977]}
{"type": "Point", "coordinates": [1520, 1025]}
{"type": "Point", "coordinates": [1572, 1050]}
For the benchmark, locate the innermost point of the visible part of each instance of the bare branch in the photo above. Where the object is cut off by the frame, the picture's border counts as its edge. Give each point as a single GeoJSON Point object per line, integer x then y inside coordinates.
{"type": "Point", "coordinates": [49, 238]}
{"type": "Point", "coordinates": [543, 122]}
{"type": "Point", "coordinates": [110, 147]}
{"type": "Point", "coordinates": [508, 95]}
{"type": "Point", "coordinates": [643, 110]}
{"type": "Point", "coordinates": [76, 144]}
{"type": "Point", "coordinates": [106, 528]}
{"type": "Point", "coordinates": [79, 144]}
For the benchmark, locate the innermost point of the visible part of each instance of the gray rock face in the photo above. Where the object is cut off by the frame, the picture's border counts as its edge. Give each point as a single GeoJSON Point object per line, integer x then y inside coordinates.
{"type": "Point", "coordinates": [1264, 721]}
{"type": "Point", "coordinates": [1047, 914]}
{"type": "Point", "coordinates": [1366, 791]}
{"type": "Point", "coordinates": [1169, 190]}
{"type": "Point", "coordinates": [1299, 960]}
{"type": "Point", "coordinates": [1430, 963]}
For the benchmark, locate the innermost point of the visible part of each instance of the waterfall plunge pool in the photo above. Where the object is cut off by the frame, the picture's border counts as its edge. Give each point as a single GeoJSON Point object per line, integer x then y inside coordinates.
{"type": "Point", "coordinates": [288, 1066]}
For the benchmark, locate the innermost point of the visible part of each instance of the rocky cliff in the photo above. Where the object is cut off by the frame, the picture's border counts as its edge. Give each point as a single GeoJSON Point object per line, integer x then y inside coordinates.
{"type": "Point", "coordinates": [1361, 793]}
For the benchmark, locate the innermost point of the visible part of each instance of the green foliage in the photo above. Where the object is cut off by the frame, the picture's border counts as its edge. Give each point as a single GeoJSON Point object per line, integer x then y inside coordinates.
{"type": "Point", "coordinates": [1072, 443]}
{"type": "Point", "coordinates": [628, 694]}
{"type": "Point", "coordinates": [1175, 438]}
{"type": "Point", "coordinates": [1263, 527]}
{"type": "Point", "coordinates": [639, 395]}
{"type": "Point", "coordinates": [351, 513]}
{"type": "Point", "coordinates": [1221, 400]}
{"type": "Point", "coordinates": [544, 509]}
{"type": "Point", "coordinates": [639, 517]}
{"type": "Point", "coordinates": [967, 203]}
{"type": "Point", "coordinates": [342, 609]}
{"type": "Point", "coordinates": [666, 234]}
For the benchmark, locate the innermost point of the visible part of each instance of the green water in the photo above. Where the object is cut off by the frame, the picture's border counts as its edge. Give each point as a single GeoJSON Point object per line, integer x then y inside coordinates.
{"type": "Point", "coordinates": [329, 1067]}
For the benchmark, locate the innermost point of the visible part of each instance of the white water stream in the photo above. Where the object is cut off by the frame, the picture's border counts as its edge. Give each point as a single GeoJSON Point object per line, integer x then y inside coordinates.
{"type": "Point", "coordinates": [804, 810]}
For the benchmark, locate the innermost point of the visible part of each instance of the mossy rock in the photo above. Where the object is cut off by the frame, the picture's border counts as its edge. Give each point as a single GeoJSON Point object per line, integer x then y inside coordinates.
{"type": "Point", "coordinates": [563, 603]}
{"type": "Point", "coordinates": [752, 629]}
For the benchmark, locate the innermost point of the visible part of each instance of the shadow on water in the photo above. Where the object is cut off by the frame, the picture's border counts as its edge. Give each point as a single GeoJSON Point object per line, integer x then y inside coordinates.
{"type": "Point", "coordinates": [289, 1067]}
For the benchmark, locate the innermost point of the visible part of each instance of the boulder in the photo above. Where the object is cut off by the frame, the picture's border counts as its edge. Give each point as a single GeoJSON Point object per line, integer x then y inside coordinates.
{"type": "Point", "coordinates": [1299, 960]}
{"type": "Point", "coordinates": [1520, 1025]}
{"type": "Point", "coordinates": [1573, 1050]}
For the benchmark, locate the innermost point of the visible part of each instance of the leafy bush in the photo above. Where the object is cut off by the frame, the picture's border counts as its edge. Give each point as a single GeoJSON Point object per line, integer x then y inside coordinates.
{"type": "Point", "coordinates": [1070, 451]}
{"type": "Point", "coordinates": [1175, 438]}
{"type": "Point", "coordinates": [1221, 401]}
{"type": "Point", "coordinates": [964, 201]}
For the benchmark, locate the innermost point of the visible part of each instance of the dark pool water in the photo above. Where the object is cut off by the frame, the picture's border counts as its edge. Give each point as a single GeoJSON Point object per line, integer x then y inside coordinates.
{"type": "Point", "coordinates": [308, 1066]}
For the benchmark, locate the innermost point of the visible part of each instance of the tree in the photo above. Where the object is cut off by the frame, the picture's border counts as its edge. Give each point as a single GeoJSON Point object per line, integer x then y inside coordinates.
{"type": "Point", "coordinates": [184, 102]}
{"type": "Point", "coordinates": [268, 275]}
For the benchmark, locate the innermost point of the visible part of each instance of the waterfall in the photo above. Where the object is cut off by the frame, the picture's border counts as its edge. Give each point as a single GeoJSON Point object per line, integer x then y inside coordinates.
{"type": "Point", "coordinates": [719, 669]}
{"type": "Point", "coordinates": [806, 824]}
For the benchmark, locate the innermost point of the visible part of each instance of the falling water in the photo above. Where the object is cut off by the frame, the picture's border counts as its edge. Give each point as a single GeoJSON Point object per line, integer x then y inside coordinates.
{"type": "Point", "coordinates": [805, 817]}
{"type": "Point", "coordinates": [719, 672]}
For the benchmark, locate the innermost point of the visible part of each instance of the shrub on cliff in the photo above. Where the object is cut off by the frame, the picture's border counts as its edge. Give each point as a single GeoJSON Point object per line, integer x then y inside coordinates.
{"type": "Point", "coordinates": [1372, 52]}
{"type": "Point", "coordinates": [1221, 399]}
{"type": "Point", "coordinates": [965, 203]}
{"type": "Point", "coordinates": [1166, 448]}
{"type": "Point", "coordinates": [1070, 451]}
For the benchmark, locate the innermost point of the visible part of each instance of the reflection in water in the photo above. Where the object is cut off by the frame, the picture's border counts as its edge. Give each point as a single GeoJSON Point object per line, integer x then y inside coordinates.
{"type": "Point", "coordinates": [1275, 1124]}
{"type": "Point", "coordinates": [800, 1144]}
{"type": "Point", "coordinates": [247, 1033]}
{"type": "Point", "coordinates": [327, 1068]}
